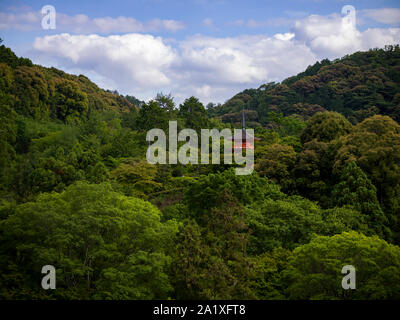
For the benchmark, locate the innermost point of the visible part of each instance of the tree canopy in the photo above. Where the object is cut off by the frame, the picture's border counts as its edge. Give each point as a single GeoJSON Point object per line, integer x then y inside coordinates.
{"type": "Point", "coordinates": [77, 192]}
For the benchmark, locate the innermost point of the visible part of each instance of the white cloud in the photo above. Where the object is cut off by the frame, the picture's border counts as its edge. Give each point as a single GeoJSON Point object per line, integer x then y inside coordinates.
{"type": "Point", "coordinates": [240, 60]}
{"type": "Point", "coordinates": [390, 16]}
{"type": "Point", "coordinates": [80, 23]}
{"type": "Point", "coordinates": [210, 68]}
{"type": "Point", "coordinates": [170, 25]}
{"type": "Point", "coordinates": [203, 91]}
{"type": "Point", "coordinates": [378, 38]}
{"type": "Point", "coordinates": [131, 62]}
{"type": "Point", "coordinates": [333, 36]}
{"type": "Point", "coordinates": [214, 69]}
{"type": "Point", "coordinates": [327, 36]}
{"type": "Point", "coordinates": [24, 21]}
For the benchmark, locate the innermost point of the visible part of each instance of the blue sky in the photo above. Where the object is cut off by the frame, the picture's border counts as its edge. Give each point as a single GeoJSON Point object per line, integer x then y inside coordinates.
{"type": "Point", "coordinates": [210, 49]}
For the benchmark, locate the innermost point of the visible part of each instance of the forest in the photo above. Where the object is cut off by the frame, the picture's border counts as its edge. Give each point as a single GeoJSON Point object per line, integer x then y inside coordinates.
{"type": "Point", "coordinates": [76, 191]}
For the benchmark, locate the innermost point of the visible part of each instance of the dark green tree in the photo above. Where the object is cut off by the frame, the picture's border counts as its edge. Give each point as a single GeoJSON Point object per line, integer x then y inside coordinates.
{"type": "Point", "coordinates": [211, 260]}
{"type": "Point", "coordinates": [194, 113]}
{"type": "Point", "coordinates": [375, 147]}
{"type": "Point", "coordinates": [165, 101]}
{"type": "Point", "coordinates": [151, 116]}
{"type": "Point", "coordinates": [355, 189]}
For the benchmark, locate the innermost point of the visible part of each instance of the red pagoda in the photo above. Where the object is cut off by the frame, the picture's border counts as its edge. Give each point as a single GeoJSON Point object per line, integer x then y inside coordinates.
{"type": "Point", "coordinates": [243, 140]}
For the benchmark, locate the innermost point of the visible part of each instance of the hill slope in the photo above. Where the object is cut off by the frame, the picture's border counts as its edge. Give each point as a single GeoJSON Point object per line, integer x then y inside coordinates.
{"type": "Point", "coordinates": [42, 93]}
{"type": "Point", "coordinates": [357, 86]}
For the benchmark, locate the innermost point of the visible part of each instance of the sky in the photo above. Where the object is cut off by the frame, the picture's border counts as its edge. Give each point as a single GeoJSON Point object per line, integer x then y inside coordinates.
{"type": "Point", "coordinates": [210, 49]}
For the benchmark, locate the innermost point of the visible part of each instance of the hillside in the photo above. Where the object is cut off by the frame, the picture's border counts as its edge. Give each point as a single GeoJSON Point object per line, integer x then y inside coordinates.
{"type": "Point", "coordinates": [77, 192]}
{"type": "Point", "coordinates": [49, 93]}
{"type": "Point", "coordinates": [357, 86]}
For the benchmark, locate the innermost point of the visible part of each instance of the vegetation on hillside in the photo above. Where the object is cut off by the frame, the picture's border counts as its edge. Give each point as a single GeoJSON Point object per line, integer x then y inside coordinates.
{"type": "Point", "coordinates": [358, 86]}
{"type": "Point", "coordinates": [77, 192]}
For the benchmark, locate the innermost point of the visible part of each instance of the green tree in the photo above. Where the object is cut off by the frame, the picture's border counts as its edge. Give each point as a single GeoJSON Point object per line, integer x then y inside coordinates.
{"type": "Point", "coordinates": [282, 223]}
{"type": "Point", "coordinates": [203, 194]}
{"type": "Point", "coordinates": [314, 272]}
{"type": "Point", "coordinates": [8, 136]}
{"type": "Point", "coordinates": [194, 113]}
{"type": "Point", "coordinates": [151, 115]}
{"type": "Point", "coordinates": [9, 57]}
{"type": "Point", "coordinates": [71, 104]}
{"type": "Point", "coordinates": [136, 178]}
{"type": "Point", "coordinates": [270, 285]}
{"type": "Point", "coordinates": [374, 146]}
{"type": "Point", "coordinates": [211, 261]}
{"type": "Point", "coordinates": [103, 245]}
{"type": "Point", "coordinates": [31, 91]}
{"type": "Point", "coordinates": [277, 165]}
{"type": "Point", "coordinates": [355, 189]}
{"type": "Point", "coordinates": [165, 101]}
{"type": "Point", "coordinates": [313, 170]}
{"type": "Point", "coordinates": [325, 126]}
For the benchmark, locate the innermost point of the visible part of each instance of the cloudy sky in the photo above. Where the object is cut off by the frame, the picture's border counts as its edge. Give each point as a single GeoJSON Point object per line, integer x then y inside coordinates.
{"type": "Point", "coordinates": [211, 49]}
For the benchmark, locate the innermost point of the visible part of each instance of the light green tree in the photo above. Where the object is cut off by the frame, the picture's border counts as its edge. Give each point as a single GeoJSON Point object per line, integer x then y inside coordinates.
{"type": "Point", "coordinates": [314, 271]}
{"type": "Point", "coordinates": [103, 245]}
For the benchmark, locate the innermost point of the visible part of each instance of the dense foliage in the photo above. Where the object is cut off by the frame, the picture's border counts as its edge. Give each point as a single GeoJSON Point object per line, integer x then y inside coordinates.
{"type": "Point", "coordinates": [77, 192]}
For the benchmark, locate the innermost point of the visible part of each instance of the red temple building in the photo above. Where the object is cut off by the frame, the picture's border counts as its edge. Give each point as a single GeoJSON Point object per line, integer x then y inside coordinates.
{"type": "Point", "coordinates": [243, 140]}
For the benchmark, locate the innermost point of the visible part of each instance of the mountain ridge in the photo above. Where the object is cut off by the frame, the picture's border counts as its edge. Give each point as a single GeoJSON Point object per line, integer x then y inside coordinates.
{"type": "Point", "coordinates": [358, 86]}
